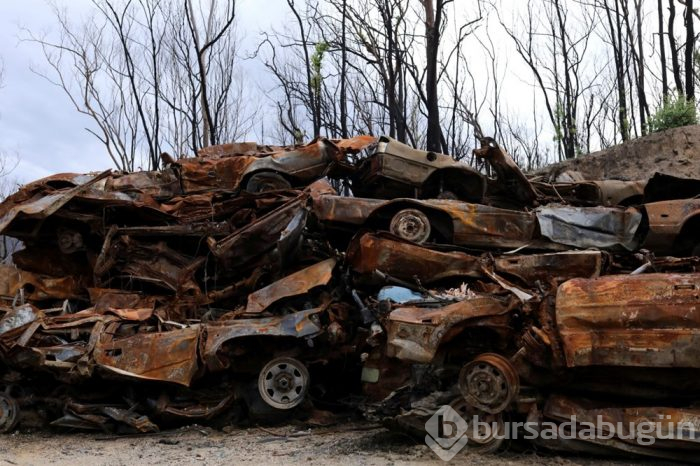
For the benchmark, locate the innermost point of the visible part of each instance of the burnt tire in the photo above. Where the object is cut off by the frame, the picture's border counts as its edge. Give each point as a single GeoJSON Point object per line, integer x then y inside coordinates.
{"type": "Point", "coordinates": [489, 383]}
{"type": "Point", "coordinates": [259, 412]}
{"type": "Point", "coordinates": [485, 438]}
{"type": "Point", "coordinates": [266, 181]}
{"type": "Point", "coordinates": [9, 413]}
{"type": "Point", "coordinates": [411, 225]}
{"type": "Point", "coordinates": [283, 383]}
{"type": "Point", "coordinates": [269, 402]}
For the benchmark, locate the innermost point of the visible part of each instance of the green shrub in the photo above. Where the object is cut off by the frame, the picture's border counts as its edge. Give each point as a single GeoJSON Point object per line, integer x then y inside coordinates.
{"type": "Point", "coordinates": [673, 113]}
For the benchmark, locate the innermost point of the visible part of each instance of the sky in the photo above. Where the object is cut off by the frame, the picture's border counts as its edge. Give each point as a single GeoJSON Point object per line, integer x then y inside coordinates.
{"type": "Point", "coordinates": [43, 131]}
{"type": "Point", "coordinates": [37, 123]}
{"type": "Point", "coordinates": [39, 127]}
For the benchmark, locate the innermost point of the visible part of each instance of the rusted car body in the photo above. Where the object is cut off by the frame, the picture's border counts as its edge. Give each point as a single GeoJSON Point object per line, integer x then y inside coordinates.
{"type": "Point", "coordinates": [646, 320]}
{"type": "Point", "coordinates": [369, 253]}
{"type": "Point", "coordinates": [512, 188]}
{"type": "Point", "coordinates": [674, 226]}
{"type": "Point", "coordinates": [244, 165]}
{"type": "Point", "coordinates": [398, 170]}
{"type": "Point", "coordinates": [480, 226]}
{"type": "Point", "coordinates": [458, 222]}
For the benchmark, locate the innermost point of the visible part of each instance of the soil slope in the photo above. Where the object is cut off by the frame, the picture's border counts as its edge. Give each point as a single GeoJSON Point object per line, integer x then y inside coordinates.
{"type": "Point", "coordinates": [674, 152]}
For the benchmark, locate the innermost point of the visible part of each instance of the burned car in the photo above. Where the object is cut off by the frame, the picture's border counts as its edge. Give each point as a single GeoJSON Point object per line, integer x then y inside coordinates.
{"type": "Point", "coordinates": [395, 169]}
{"type": "Point", "coordinates": [257, 169]}
{"type": "Point", "coordinates": [459, 223]}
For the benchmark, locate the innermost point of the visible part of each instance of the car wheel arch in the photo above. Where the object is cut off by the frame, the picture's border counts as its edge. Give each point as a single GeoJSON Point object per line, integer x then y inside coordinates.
{"type": "Point", "coordinates": [688, 239]}
{"type": "Point", "coordinates": [440, 221]}
{"type": "Point", "coordinates": [259, 345]}
{"type": "Point", "coordinates": [273, 173]}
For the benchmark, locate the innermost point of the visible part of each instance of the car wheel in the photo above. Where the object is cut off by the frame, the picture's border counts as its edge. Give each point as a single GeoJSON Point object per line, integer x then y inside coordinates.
{"type": "Point", "coordinates": [489, 382]}
{"type": "Point", "coordinates": [485, 437]}
{"type": "Point", "coordinates": [262, 182]}
{"type": "Point", "coordinates": [412, 225]}
{"type": "Point", "coordinates": [9, 413]}
{"type": "Point", "coordinates": [283, 383]}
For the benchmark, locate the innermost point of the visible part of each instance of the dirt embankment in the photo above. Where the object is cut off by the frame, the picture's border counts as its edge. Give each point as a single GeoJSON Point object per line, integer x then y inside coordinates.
{"type": "Point", "coordinates": [674, 152]}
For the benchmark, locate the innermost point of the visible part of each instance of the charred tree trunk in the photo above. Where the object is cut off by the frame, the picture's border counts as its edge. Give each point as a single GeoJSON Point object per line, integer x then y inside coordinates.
{"type": "Point", "coordinates": [689, 51]}
{"type": "Point", "coordinates": [662, 50]}
{"type": "Point", "coordinates": [433, 19]}
{"type": "Point", "coordinates": [675, 62]}
{"type": "Point", "coordinates": [344, 74]}
{"type": "Point", "coordinates": [615, 26]}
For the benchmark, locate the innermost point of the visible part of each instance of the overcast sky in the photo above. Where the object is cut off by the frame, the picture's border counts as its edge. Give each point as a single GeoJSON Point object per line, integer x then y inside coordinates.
{"type": "Point", "coordinates": [40, 126]}
{"type": "Point", "coordinates": [37, 121]}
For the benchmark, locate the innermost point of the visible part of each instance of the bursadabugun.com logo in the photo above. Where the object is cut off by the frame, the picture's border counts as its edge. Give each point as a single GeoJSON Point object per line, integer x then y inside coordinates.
{"type": "Point", "coordinates": [448, 433]}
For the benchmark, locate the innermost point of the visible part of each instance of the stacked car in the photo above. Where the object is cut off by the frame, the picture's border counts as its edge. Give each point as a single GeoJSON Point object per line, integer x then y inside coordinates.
{"type": "Point", "coordinates": [254, 283]}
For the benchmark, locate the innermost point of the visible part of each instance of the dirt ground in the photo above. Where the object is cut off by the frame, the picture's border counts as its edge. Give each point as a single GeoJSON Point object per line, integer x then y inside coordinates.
{"type": "Point", "coordinates": [348, 444]}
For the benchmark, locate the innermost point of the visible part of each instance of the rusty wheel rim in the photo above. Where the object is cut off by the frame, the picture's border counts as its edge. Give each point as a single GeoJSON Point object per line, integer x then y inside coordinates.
{"type": "Point", "coordinates": [283, 383]}
{"type": "Point", "coordinates": [487, 436]}
{"type": "Point", "coordinates": [9, 413]}
{"type": "Point", "coordinates": [412, 225]}
{"type": "Point", "coordinates": [489, 382]}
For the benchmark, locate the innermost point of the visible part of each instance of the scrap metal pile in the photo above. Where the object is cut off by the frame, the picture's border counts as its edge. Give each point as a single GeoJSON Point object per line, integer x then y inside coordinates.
{"type": "Point", "coordinates": [255, 282]}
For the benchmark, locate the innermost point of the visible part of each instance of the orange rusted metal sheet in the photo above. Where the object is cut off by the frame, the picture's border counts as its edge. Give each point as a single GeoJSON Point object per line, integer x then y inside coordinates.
{"type": "Point", "coordinates": [401, 259]}
{"type": "Point", "coordinates": [169, 356]}
{"type": "Point", "coordinates": [209, 174]}
{"type": "Point", "coordinates": [355, 144]}
{"type": "Point", "coordinates": [17, 207]}
{"type": "Point", "coordinates": [234, 148]}
{"type": "Point", "coordinates": [292, 285]}
{"type": "Point", "coordinates": [156, 184]}
{"type": "Point", "coordinates": [557, 267]}
{"type": "Point", "coordinates": [36, 287]}
{"type": "Point", "coordinates": [105, 299]}
{"type": "Point", "coordinates": [657, 431]}
{"type": "Point", "coordinates": [648, 320]}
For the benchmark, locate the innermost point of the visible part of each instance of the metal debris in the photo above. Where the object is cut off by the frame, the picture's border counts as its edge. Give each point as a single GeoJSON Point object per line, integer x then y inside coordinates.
{"type": "Point", "coordinates": [234, 283]}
